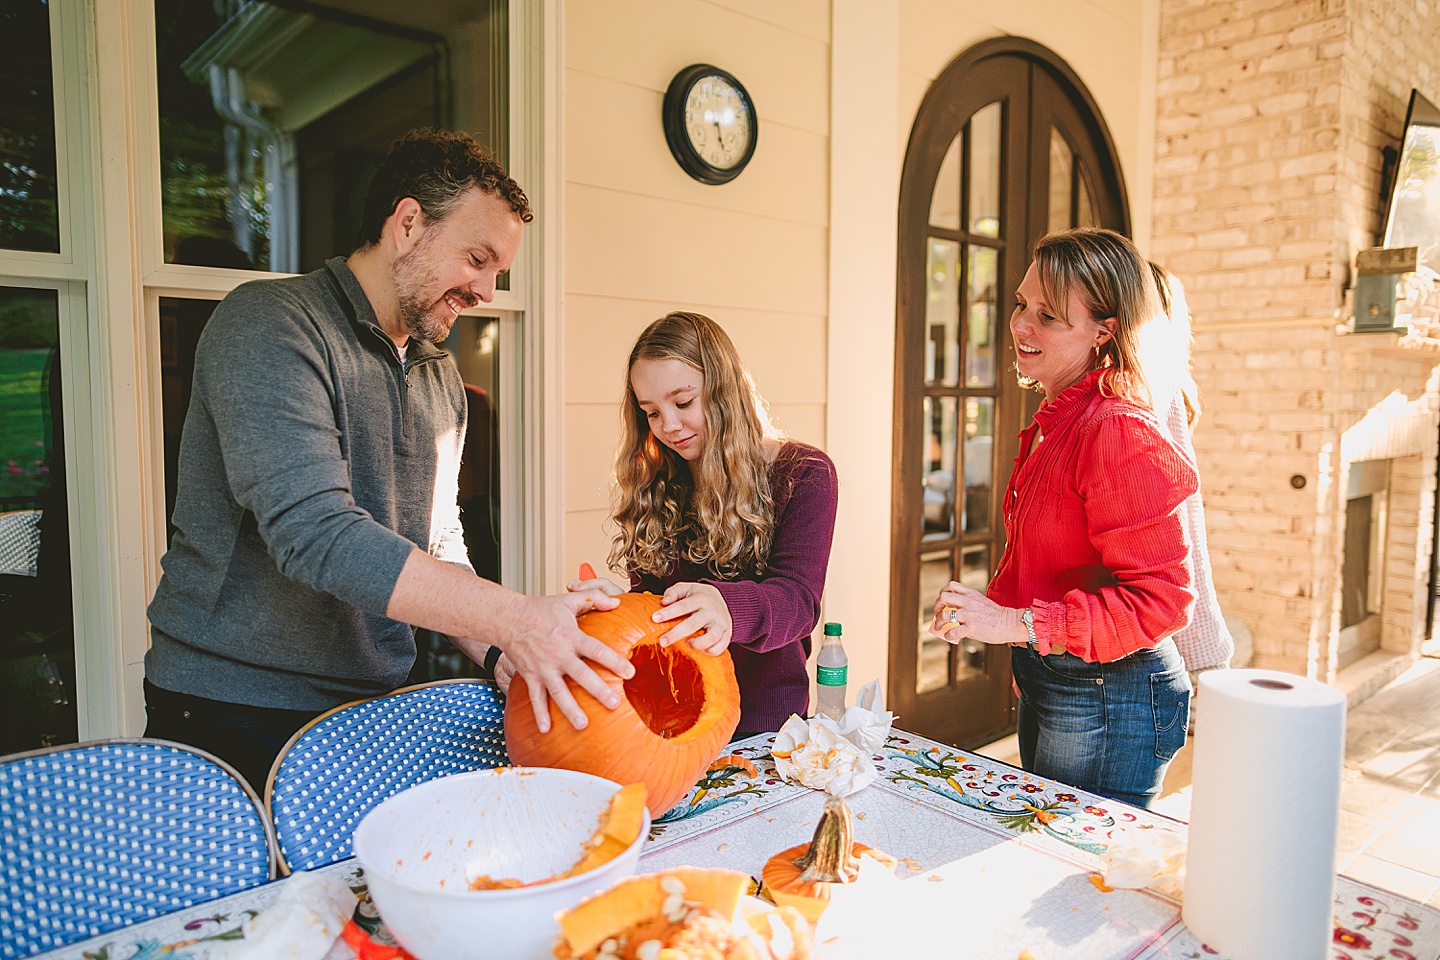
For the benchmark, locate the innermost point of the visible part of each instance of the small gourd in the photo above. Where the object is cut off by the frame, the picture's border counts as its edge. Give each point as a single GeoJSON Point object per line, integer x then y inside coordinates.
{"type": "Point", "coordinates": [801, 877]}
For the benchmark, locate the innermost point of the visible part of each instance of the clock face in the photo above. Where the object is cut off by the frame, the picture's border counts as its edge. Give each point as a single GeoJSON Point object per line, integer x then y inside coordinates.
{"type": "Point", "coordinates": [718, 122]}
{"type": "Point", "coordinates": [710, 123]}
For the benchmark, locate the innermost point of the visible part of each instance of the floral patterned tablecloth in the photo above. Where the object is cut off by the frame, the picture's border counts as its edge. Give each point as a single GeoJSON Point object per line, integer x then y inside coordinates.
{"type": "Point", "coordinates": [1017, 851]}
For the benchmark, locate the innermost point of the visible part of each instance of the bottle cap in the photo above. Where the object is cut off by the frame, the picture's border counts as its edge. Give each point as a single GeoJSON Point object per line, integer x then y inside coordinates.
{"type": "Point", "coordinates": [832, 629]}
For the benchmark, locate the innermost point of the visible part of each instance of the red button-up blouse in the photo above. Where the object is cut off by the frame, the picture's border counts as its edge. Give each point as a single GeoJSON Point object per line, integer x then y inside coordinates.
{"type": "Point", "coordinates": [1096, 542]}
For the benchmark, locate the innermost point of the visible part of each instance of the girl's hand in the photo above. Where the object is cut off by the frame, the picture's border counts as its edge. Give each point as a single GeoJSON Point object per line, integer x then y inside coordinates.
{"type": "Point", "coordinates": [706, 617]}
{"type": "Point", "coordinates": [603, 584]}
{"type": "Point", "coordinates": [962, 613]}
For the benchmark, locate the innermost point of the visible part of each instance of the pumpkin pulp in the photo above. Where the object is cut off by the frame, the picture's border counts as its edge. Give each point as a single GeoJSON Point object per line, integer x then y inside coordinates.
{"type": "Point", "coordinates": [666, 691]}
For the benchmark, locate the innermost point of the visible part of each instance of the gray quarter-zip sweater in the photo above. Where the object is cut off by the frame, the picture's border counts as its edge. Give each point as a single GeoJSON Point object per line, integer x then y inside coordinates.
{"type": "Point", "coordinates": [312, 461]}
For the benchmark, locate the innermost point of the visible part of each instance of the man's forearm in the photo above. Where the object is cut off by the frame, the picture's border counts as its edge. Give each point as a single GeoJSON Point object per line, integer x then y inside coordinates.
{"type": "Point", "coordinates": [443, 597]}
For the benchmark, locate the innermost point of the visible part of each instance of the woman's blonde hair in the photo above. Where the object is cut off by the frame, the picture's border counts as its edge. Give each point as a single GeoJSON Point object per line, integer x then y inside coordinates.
{"type": "Point", "coordinates": [1112, 280]}
{"type": "Point", "coordinates": [719, 516]}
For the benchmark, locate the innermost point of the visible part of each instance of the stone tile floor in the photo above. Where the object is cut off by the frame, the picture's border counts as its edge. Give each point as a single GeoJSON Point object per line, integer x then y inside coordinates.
{"type": "Point", "coordinates": [1390, 796]}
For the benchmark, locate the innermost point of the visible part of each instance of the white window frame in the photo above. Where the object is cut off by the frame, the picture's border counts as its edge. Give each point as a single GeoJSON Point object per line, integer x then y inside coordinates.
{"type": "Point", "coordinates": [112, 259]}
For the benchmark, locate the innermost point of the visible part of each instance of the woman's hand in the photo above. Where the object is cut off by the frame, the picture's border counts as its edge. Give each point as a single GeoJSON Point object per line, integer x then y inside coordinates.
{"type": "Point", "coordinates": [962, 613]}
{"type": "Point", "coordinates": [706, 617]}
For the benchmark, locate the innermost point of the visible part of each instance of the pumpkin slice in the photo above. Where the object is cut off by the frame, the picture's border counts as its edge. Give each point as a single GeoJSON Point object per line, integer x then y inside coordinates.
{"type": "Point", "coordinates": [676, 713]}
{"type": "Point", "coordinates": [619, 826]}
{"type": "Point", "coordinates": [638, 900]}
{"type": "Point", "coordinates": [801, 877]}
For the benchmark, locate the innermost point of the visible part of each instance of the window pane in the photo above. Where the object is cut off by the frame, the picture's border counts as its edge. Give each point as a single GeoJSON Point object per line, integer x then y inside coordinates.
{"type": "Point", "coordinates": [939, 467]}
{"type": "Point", "coordinates": [1084, 207]}
{"type": "Point", "coordinates": [1061, 171]}
{"type": "Point", "coordinates": [181, 322]}
{"type": "Point", "coordinates": [945, 203]}
{"type": "Point", "coordinates": [979, 462]}
{"type": "Point", "coordinates": [29, 213]}
{"type": "Point", "coordinates": [975, 574]}
{"type": "Point", "coordinates": [273, 119]}
{"type": "Point", "coordinates": [933, 669]}
{"type": "Point", "coordinates": [984, 206]}
{"type": "Point", "coordinates": [37, 636]}
{"type": "Point", "coordinates": [982, 310]}
{"type": "Point", "coordinates": [942, 312]}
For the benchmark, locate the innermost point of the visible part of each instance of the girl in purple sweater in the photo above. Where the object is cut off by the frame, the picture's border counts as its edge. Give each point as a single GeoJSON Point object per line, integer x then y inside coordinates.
{"type": "Point", "coordinates": [720, 514]}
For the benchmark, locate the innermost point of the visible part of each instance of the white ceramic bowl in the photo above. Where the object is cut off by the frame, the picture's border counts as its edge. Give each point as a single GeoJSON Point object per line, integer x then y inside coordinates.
{"type": "Point", "coordinates": [522, 822]}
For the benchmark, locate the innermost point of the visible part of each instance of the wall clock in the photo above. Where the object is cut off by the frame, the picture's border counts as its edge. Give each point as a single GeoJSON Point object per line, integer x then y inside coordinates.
{"type": "Point", "coordinates": [710, 123]}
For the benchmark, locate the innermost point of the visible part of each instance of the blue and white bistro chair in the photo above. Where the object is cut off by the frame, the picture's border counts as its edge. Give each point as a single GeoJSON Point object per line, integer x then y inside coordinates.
{"type": "Point", "coordinates": [348, 761]}
{"type": "Point", "coordinates": [97, 836]}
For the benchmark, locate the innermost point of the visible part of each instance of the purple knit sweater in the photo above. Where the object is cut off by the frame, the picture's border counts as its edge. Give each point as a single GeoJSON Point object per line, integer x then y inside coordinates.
{"type": "Point", "coordinates": [774, 615]}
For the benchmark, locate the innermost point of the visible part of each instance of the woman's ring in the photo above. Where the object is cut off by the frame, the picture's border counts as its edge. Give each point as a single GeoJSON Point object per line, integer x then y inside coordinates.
{"type": "Point", "coordinates": [953, 615]}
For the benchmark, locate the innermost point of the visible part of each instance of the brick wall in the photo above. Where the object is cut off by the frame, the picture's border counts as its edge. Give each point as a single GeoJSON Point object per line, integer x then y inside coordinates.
{"type": "Point", "coordinates": [1271, 119]}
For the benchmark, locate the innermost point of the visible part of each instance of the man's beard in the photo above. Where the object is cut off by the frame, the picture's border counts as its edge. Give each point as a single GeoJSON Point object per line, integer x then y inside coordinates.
{"type": "Point", "coordinates": [413, 277]}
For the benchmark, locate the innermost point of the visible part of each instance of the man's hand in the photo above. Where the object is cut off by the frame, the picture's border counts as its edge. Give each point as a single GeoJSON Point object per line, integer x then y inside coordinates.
{"type": "Point", "coordinates": [544, 645]}
{"type": "Point", "coordinates": [706, 617]}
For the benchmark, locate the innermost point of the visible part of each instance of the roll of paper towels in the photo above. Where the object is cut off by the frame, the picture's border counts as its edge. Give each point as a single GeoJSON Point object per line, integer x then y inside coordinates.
{"type": "Point", "coordinates": [1264, 811]}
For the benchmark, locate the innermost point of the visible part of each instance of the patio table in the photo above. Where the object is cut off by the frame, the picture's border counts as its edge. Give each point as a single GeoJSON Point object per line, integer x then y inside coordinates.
{"type": "Point", "coordinates": [976, 824]}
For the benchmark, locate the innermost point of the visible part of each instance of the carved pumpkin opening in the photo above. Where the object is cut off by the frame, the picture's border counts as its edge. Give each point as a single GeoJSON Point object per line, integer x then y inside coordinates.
{"type": "Point", "coordinates": [667, 690]}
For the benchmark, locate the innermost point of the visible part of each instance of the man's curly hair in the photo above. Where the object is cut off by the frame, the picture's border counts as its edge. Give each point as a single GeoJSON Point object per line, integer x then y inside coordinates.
{"type": "Point", "coordinates": [436, 168]}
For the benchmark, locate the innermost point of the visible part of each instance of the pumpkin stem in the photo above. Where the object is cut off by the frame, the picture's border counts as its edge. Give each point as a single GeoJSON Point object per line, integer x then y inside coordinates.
{"type": "Point", "coordinates": [830, 857]}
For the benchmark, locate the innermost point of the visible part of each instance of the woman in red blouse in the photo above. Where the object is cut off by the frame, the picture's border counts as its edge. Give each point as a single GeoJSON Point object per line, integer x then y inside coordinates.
{"type": "Point", "coordinates": [1094, 579]}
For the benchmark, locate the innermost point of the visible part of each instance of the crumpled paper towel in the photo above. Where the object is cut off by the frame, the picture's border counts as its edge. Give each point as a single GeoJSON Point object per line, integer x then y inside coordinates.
{"type": "Point", "coordinates": [1146, 856]}
{"type": "Point", "coordinates": [813, 754]}
{"type": "Point", "coordinates": [302, 925]}
{"type": "Point", "coordinates": [866, 723]}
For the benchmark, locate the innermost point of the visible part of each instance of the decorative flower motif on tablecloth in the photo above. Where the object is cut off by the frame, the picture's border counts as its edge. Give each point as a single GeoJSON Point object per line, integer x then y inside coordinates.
{"type": "Point", "coordinates": [1016, 800]}
{"type": "Point", "coordinates": [727, 773]}
{"type": "Point", "coordinates": [1350, 938]}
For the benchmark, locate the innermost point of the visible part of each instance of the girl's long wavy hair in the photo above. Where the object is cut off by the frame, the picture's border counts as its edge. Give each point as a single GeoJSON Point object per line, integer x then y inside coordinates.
{"type": "Point", "coordinates": [1112, 280]}
{"type": "Point", "coordinates": [721, 516]}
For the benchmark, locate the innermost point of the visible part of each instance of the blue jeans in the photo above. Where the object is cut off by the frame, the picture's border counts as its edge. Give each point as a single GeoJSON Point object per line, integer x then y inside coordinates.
{"type": "Point", "coordinates": [1109, 728]}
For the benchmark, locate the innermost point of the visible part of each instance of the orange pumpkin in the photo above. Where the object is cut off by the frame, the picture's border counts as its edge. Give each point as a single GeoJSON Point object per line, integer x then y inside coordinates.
{"type": "Point", "coordinates": [801, 877]}
{"type": "Point", "coordinates": [675, 715]}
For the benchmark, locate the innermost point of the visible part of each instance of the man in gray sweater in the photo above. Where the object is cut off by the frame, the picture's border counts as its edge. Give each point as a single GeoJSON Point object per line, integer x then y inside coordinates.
{"type": "Point", "coordinates": [315, 512]}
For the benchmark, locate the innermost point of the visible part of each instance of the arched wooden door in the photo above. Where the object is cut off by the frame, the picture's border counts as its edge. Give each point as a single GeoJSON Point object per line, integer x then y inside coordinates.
{"type": "Point", "coordinates": [1007, 146]}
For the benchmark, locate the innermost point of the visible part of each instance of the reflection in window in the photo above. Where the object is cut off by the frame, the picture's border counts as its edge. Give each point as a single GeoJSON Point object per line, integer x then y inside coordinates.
{"type": "Point", "coordinates": [273, 119]}
{"type": "Point", "coordinates": [29, 213]}
{"type": "Point", "coordinates": [1062, 165]}
{"type": "Point", "coordinates": [984, 194]}
{"type": "Point", "coordinates": [37, 636]}
{"type": "Point", "coordinates": [941, 430]}
{"type": "Point", "coordinates": [942, 312]}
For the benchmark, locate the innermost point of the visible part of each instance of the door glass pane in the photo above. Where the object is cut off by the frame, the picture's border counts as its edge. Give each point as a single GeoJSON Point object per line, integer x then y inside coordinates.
{"type": "Point", "coordinates": [942, 312]}
{"type": "Point", "coordinates": [945, 201]}
{"type": "Point", "coordinates": [37, 635]}
{"type": "Point", "coordinates": [273, 118]}
{"type": "Point", "coordinates": [1061, 170]}
{"type": "Point", "coordinates": [982, 312]}
{"type": "Point", "coordinates": [984, 205]}
{"type": "Point", "coordinates": [1084, 207]}
{"type": "Point", "coordinates": [979, 462]}
{"type": "Point", "coordinates": [975, 574]}
{"type": "Point", "coordinates": [939, 467]}
{"type": "Point", "coordinates": [29, 211]}
{"type": "Point", "coordinates": [932, 670]}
